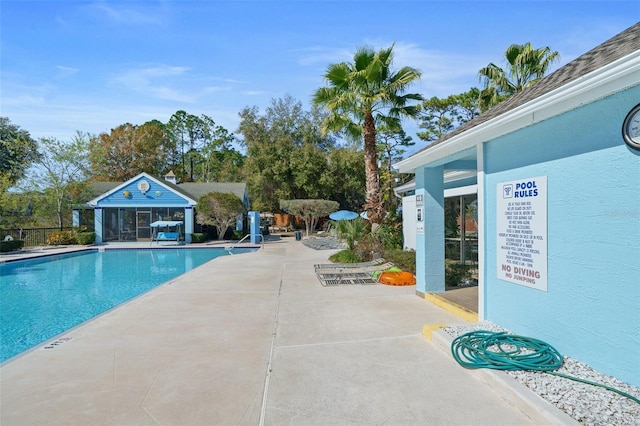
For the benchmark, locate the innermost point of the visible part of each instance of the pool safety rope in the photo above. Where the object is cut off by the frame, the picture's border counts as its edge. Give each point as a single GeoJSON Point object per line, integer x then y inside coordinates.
{"type": "Point", "coordinates": [503, 351]}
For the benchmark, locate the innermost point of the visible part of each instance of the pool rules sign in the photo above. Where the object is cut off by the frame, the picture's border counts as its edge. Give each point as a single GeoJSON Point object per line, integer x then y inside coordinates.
{"type": "Point", "coordinates": [521, 215]}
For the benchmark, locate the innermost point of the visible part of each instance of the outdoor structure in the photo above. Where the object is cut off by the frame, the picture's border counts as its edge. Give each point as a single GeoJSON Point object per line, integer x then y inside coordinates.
{"type": "Point", "coordinates": [460, 193]}
{"type": "Point", "coordinates": [125, 211]}
{"type": "Point", "coordinates": [558, 208]}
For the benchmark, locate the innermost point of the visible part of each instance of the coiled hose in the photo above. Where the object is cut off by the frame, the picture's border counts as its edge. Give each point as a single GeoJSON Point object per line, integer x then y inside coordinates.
{"type": "Point", "coordinates": [503, 351]}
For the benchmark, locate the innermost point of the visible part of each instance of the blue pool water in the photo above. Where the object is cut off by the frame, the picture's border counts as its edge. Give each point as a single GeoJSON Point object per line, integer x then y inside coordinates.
{"type": "Point", "coordinates": [43, 297]}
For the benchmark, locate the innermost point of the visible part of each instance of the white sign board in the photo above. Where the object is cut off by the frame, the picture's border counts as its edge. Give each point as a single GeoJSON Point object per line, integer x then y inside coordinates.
{"type": "Point", "coordinates": [419, 214]}
{"type": "Point", "coordinates": [521, 215]}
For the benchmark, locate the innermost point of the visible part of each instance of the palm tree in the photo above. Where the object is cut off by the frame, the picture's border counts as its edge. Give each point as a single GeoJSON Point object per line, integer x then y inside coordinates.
{"type": "Point", "coordinates": [362, 95]}
{"type": "Point", "coordinates": [527, 66]}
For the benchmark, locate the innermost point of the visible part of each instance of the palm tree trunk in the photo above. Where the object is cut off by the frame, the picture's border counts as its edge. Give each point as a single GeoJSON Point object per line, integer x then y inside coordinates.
{"type": "Point", "coordinates": [374, 207]}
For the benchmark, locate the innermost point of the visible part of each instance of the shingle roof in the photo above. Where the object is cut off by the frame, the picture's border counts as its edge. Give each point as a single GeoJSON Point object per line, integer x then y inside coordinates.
{"type": "Point", "coordinates": [198, 189]}
{"type": "Point", "coordinates": [615, 48]}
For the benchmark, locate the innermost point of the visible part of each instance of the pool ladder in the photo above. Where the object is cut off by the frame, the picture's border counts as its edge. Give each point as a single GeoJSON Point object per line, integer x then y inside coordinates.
{"type": "Point", "coordinates": [229, 248]}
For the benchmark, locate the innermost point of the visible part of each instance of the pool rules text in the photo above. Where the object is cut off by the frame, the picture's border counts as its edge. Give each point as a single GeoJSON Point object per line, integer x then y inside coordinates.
{"type": "Point", "coordinates": [521, 225]}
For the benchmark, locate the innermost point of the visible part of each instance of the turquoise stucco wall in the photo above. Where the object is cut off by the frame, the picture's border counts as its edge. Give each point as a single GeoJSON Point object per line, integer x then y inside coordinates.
{"type": "Point", "coordinates": [430, 238]}
{"type": "Point", "coordinates": [591, 309]}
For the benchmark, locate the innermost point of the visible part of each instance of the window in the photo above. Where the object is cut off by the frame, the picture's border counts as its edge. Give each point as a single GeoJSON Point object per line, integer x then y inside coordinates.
{"type": "Point", "coordinates": [461, 240]}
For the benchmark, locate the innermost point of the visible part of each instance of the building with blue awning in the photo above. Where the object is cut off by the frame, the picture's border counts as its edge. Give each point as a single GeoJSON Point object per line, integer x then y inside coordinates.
{"type": "Point", "coordinates": [125, 211]}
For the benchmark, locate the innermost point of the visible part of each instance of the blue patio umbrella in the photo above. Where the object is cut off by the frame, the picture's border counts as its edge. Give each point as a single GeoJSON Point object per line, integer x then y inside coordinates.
{"type": "Point", "coordinates": [343, 215]}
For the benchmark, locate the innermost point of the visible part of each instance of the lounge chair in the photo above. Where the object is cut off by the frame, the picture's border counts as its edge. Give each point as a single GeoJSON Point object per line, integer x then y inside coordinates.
{"type": "Point", "coordinates": [350, 274]}
{"type": "Point", "coordinates": [365, 269]}
{"type": "Point", "coordinates": [374, 262]}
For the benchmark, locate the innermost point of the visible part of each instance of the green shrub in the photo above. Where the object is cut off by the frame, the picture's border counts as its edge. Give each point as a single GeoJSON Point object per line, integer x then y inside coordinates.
{"type": "Point", "coordinates": [197, 237]}
{"type": "Point", "coordinates": [403, 259]}
{"type": "Point", "coordinates": [58, 238]}
{"type": "Point", "coordinates": [390, 235]}
{"type": "Point", "coordinates": [11, 245]}
{"type": "Point", "coordinates": [351, 231]}
{"type": "Point", "coordinates": [456, 274]}
{"type": "Point", "coordinates": [85, 238]}
{"type": "Point", "coordinates": [238, 234]}
{"type": "Point", "coordinates": [369, 246]}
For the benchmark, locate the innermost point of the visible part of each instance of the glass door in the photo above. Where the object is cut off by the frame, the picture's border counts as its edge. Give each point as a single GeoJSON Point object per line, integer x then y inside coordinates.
{"type": "Point", "coordinates": [461, 241]}
{"type": "Point", "coordinates": [127, 224]}
{"type": "Point", "coordinates": [143, 229]}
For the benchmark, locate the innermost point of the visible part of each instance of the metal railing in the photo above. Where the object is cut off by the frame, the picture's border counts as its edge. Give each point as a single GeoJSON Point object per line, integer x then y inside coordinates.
{"type": "Point", "coordinates": [231, 247]}
{"type": "Point", "coordinates": [33, 237]}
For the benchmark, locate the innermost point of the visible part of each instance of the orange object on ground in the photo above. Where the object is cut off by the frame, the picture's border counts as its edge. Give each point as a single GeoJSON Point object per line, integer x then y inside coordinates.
{"type": "Point", "coordinates": [397, 278]}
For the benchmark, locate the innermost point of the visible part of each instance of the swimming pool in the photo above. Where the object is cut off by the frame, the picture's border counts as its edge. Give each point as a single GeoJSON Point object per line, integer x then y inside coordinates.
{"type": "Point", "coordinates": [43, 297]}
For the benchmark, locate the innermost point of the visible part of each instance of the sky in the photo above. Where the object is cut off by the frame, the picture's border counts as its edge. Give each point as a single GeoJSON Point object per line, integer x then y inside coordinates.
{"type": "Point", "coordinates": [90, 66]}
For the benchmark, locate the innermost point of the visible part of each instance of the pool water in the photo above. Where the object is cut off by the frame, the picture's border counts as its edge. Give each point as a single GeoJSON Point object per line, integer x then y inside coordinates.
{"type": "Point", "coordinates": [43, 297]}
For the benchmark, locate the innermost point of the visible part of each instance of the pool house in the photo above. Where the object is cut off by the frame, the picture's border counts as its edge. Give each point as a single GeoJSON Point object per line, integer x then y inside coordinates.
{"type": "Point", "coordinates": [129, 211]}
{"type": "Point", "coordinates": [555, 193]}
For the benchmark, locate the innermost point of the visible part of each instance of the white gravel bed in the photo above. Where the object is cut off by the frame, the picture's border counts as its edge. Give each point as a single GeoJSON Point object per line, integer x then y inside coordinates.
{"type": "Point", "coordinates": [588, 404]}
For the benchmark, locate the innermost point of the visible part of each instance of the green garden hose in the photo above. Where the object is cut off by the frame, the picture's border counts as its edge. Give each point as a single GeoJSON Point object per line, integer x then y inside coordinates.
{"type": "Point", "coordinates": [503, 351]}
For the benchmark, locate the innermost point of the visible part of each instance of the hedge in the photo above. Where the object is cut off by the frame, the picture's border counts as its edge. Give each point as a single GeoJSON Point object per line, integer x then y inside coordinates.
{"type": "Point", "coordinates": [11, 245]}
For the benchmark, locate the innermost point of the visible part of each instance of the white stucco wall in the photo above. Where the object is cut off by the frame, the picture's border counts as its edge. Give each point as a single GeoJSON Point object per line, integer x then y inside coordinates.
{"type": "Point", "coordinates": [409, 221]}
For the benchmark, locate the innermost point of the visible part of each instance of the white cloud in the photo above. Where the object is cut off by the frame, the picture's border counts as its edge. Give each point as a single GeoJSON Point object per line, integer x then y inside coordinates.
{"type": "Point", "coordinates": [324, 56]}
{"type": "Point", "coordinates": [216, 89]}
{"type": "Point", "coordinates": [64, 71]}
{"type": "Point", "coordinates": [121, 14]}
{"type": "Point", "coordinates": [17, 94]}
{"type": "Point", "coordinates": [157, 82]}
{"type": "Point", "coordinates": [22, 100]}
{"type": "Point", "coordinates": [443, 73]}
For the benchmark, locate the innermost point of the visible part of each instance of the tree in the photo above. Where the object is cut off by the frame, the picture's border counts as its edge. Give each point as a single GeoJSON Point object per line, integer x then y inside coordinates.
{"type": "Point", "coordinates": [223, 165]}
{"type": "Point", "coordinates": [195, 144]}
{"type": "Point", "coordinates": [440, 116]}
{"type": "Point", "coordinates": [391, 146]}
{"type": "Point", "coordinates": [217, 160]}
{"type": "Point", "coordinates": [61, 169]}
{"type": "Point", "coordinates": [437, 118]}
{"type": "Point", "coordinates": [184, 130]}
{"type": "Point", "coordinates": [344, 178]}
{"type": "Point", "coordinates": [286, 153]}
{"type": "Point", "coordinates": [525, 67]}
{"type": "Point", "coordinates": [362, 95]}
{"type": "Point", "coordinates": [25, 208]}
{"type": "Point", "coordinates": [129, 150]}
{"type": "Point", "coordinates": [219, 209]}
{"type": "Point", "coordinates": [309, 210]}
{"type": "Point", "coordinates": [17, 152]}
{"type": "Point", "coordinates": [468, 105]}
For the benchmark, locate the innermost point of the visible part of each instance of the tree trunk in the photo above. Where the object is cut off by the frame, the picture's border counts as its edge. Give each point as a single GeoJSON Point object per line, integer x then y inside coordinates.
{"type": "Point", "coordinates": [59, 211]}
{"type": "Point", "coordinates": [374, 207]}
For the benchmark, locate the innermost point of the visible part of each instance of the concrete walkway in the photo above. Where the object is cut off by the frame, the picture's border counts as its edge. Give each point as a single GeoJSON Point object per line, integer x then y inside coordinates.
{"type": "Point", "coordinates": [254, 339]}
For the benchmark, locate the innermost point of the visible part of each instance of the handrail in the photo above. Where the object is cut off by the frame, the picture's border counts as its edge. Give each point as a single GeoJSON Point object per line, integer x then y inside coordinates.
{"type": "Point", "coordinates": [229, 248]}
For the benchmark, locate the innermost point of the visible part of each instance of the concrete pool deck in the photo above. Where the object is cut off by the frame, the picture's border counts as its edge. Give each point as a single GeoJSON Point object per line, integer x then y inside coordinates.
{"type": "Point", "coordinates": [254, 339]}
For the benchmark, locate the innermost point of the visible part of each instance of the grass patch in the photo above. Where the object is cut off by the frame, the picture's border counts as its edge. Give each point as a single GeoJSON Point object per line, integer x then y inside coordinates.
{"type": "Point", "coordinates": [345, 256]}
